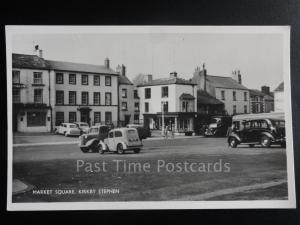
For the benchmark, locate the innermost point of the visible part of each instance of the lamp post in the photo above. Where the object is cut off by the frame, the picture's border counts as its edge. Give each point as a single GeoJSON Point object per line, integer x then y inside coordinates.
{"type": "Point", "coordinates": [162, 118]}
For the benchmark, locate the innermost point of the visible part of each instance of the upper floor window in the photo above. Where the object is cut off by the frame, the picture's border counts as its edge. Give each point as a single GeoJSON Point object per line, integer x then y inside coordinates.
{"type": "Point", "coordinates": [84, 79]}
{"type": "Point", "coordinates": [37, 78]}
{"type": "Point", "coordinates": [38, 96]}
{"type": "Point", "coordinates": [164, 92]}
{"type": "Point", "coordinates": [136, 106]}
{"type": "Point", "coordinates": [135, 94]}
{"type": "Point", "coordinates": [147, 93]}
{"type": "Point", "coordinates": [124, 106]}
{"type": "Point", "coordinates": [107, 81]}
{"type": "Point", "coordinates": [59, 97]}
{"type": "Point", "coordinates": [96, 80]}
{"type": "Point", "coordinates": [16, 95]}
{"type": "Point", "coordinates": [124, 93]}
{"type": "Point", "coordinates": [245, 96]}
{"type": "Point", "coordinates": [72, 97]}
{"type": "Point", "coordinates": [59, 78]}
{"type": "Point", "coordinates": [223, 95]}
{"type": "Point", "coordinates": [97, 98]}
{"type": "Point", "coordinates": [234, 96]}
{"type": "Point", "coordinates": [84, 98]}
{"type": "Point", "coordinates": [107, 98]}
{"type": "Point", "coordinates": [72, 78]}
{"type": "Point", "coordinates": [16, 76]}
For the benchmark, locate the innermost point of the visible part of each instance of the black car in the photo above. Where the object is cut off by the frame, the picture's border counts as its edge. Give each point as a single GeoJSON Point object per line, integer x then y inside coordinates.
{"type": "Point", "coordinates": [257, 131]}
{"type": "Point", "coordinates": [218, 126]}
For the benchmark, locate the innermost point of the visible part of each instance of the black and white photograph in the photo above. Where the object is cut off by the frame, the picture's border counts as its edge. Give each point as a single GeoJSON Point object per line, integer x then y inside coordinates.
{"type": "Point", "coordinates": [149, 117]}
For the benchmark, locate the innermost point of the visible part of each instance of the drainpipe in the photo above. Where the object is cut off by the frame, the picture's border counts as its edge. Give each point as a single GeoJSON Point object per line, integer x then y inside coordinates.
{"type": "Point", "coordinates": [51, 118]}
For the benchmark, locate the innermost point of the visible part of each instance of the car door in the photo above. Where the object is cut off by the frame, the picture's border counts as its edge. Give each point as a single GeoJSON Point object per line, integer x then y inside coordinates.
{"type": "Point", "coordinates": [60, 129]}
{"type": "Point", "coordinates": [110, 141]}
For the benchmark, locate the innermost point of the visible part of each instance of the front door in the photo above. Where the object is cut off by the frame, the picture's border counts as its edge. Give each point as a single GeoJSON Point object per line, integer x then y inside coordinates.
{"type": "Point", "coordinates": [85, 117]}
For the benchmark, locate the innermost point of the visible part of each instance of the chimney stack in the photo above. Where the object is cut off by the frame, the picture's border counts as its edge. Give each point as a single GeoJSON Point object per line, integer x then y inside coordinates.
{"type": "Point", "coordinates": [106, 63]}
{"type": "Point", "coordinates": [173, 74]}
{"type": "Point", "coordinates": [236, 75]}
{"type": "Point", "coordinates": [123, 71]}
{"type": "Point", "coordinates": [149, 77]}
{"type": "Point", "coordinates": [37, 51]}
{"type": "Point", "coordinates": [265, 90]}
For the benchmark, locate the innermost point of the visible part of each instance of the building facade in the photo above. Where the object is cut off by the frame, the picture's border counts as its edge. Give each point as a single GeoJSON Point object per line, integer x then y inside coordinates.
{"type": "Point", "coordinates": [168, 102]}
{"type": "Point", "coordinates": [279, 98]}
{"type": "Point", "coordinates": [261, 101]}
{"type": "Point", "coordinates": [228, 90]}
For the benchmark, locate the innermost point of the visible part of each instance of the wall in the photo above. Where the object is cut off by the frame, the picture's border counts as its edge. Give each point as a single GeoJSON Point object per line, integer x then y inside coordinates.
{"type": "Point", "coordinates": [130, 102]}
{"type": "Point", "coordinates": [278, 101]}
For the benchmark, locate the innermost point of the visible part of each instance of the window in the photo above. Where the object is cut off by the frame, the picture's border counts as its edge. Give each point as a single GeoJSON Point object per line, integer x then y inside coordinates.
{"type": "Point", "coordinates": [72, 117]}
{"type": "Point", "coordinates": [234, 109]}
{"type": "Point", "coordinates": [165, 106]}
{"type": "Point", "coordinates": [96, 80]}
{"type": "Point", "coordinates": [107, 98]}
{"type": "Point", "coordinates": [38, 96]}
{"type": "Point", "coordinates": [59, 118]}
{"type": "Point", "coordinates": [118, 133]}
{"type": "Point", "coordinates": [84, 79]}
{"type": "Point", "coordinates": [36, 119]}
{"type": "Point", "coordinates": [37, 78]}
{"type": "Point", "coordinates": [223, 95]}
{"type": "Point", "coordinates": [97, 117]}
{"type": "Point", "coordinates": [59, 78]}
{"type": "Point", "coordinates": [257, 107]}
{"type": "Point", "coordinates": [136, 117]}
{"type": "Point", "coordinates": [124, 93]}
{"type": "Point", "coordinates": [72, 78]}
{"type": "Point", "coordinates": [111, 134]}
{"type": "Point", "coordinates": [72, 97]}
{"type": "Point", "coordinates": [245, 96]}
{"type": "Point", "coordinates": [245, 109]}
{"type": "Point", "coordinates": [16, 76]}
{"type": "Point", "coordinates": [59, 97]}
{"type": "Point", "coordinates": [234, 96]}
{"type": "Point", "coordinates": [97, 98]}
{"type": "Point", "coordinates": [16, 96]}
{"type": "Point", "coordinates": [107, 81]}
{"type": "Point", "coordinates": [136, 106]}
{"type": "Point", "coordinates": [84, 98]}
{"type": "Point", "coordinates": [135, 94]}
{"type": "Point", "coordinates": [124, 106]}
{"type": "Point", "coordinates": [147, 93]}
{"type": "Point", "coordinates": [185, 106]}
{"type": "Point", "coordinates": [108, 119]}
{"type": "Point", "coordinates": [164, 92]}
{"type": "Point", "coordinates": [146, 106]}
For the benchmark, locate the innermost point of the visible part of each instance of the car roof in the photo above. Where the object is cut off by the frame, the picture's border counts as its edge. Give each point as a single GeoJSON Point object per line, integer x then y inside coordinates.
{"type": "Point", "coordinates": [122, 129]}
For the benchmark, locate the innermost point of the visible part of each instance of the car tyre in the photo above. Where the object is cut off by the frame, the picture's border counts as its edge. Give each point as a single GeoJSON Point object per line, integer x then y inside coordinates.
{"type": "Point", "coordinates": [101, 150]}
{"type": "Point", "coordinates": [233, 142]}
{"type": "Point", "coordinates": [85, 149]}
{"type": "Point", "coordinates": [120, 149]}
{"type": "Point", "coordinates": [137, 150]}
{"type": "Point", "coordinates": [265, 141]}
{"type": "Point", "coordinates": [251, 145]}
{"type": "Point", "coordinates": [66, 134]}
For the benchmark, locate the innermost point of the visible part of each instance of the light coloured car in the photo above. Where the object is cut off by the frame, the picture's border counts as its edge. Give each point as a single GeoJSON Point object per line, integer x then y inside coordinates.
{"type": "Point", "coordinates": [120, 140]}
{"type": "Point", "coordinates": [68, 129]}
{"type": "Point", "coordinates": [83, 127]}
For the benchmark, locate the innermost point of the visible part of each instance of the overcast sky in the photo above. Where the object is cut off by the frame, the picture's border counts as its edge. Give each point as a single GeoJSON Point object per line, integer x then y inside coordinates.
{"type": "Point", "coordinates": [259, 57]}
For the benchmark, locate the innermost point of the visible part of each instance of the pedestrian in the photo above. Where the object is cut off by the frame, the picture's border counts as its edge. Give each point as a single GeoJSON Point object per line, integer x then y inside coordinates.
{"type": "Point", "coordinates": [166, 131]}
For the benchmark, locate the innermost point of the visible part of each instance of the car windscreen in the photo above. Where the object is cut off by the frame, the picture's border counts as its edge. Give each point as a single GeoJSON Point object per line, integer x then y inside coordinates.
{"type": "Point", "coordinates": [278, 123]}
{"type": "Point", "coordinates": [72, 126]}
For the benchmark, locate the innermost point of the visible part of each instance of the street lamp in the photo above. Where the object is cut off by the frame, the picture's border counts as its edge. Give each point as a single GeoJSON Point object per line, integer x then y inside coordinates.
{"type": "Point", "coordinates": [163, 117]}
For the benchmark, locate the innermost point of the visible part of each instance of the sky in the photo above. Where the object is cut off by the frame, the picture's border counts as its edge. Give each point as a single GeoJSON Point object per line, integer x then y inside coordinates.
{"type": "Point", "coordinates": [259, 57]}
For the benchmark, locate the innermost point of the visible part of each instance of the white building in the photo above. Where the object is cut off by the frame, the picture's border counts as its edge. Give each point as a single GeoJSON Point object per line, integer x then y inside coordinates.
{"type": "Point", "coordinates": [168, 102]}
{"type": "Point", "coordinates": [229, 90]}
{"type": "Point", "coordinates": [279, 98]}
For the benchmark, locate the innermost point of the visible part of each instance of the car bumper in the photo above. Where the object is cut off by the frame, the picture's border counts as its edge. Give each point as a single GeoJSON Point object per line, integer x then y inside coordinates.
{"type": "Point", "coordinates": [134, 146]}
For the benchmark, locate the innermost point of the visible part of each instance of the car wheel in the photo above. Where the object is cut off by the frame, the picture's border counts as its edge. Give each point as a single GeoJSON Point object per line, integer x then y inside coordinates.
{"type": "Point", "coordinates": [100, 149]}
{"type": "Point", "coordinates": [137, 150]}
{"type": "Point", "coordinates": [251, 145]}
{"type": "Point", "coordinates": [84, 149]}
{"type": "Point", "coordinates": [120, 149]}
{"type": "Point", "coordinates": [66, 134]}
{"type": "Point", "coordinates": [233, 142]}
{"type": "Point", "coordinates": [265, 141]}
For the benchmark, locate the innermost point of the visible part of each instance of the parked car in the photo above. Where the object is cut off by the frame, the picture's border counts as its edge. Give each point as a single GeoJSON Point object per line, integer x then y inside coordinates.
{"type": "Point", "coordinates": [143, 132]}
{"type": "Point", "coordinates": [68, 129]}
{"type": "Point", "coordinates": [91, 140]}
{"type": "Point", "coordinates": [83, 127]}
{"type": "Point", "coordinates": [120, 140]}
{"type": "Point", "coordinates": [257, 131]}
{"type": "Point", "coordinates": [218, 126]}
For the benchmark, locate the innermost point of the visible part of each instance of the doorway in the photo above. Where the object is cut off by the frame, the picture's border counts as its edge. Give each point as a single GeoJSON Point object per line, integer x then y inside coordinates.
{"type": "Point", "coordinates": [85, 116]}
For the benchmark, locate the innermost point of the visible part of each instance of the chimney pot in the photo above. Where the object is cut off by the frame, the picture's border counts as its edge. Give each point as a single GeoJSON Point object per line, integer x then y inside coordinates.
{"type": "Point", "coordinates": [106, 62]}
{"type": "Point", "coordinates": [173, 74]}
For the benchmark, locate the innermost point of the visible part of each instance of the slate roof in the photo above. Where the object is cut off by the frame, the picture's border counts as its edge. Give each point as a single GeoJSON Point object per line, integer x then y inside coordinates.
{"type": "Point", "coordinates": [167, 81]}
{"type": "Point", "coordinates": [206, 99]}
{"type": "Point", "coordinates": [256, 92]}
{"type": "Point", "coordinates": [225, 82]}
{"type": "Point", "coordinates": [35, 62]}
{"type": "Point", "coordinates": [29, 62]}
{"type": "Point", "coordinates": [124, 80]}
{"type": "Point", "coordinates": [280, 87]}
{"type": "Point", "coordinates": [186, 96]}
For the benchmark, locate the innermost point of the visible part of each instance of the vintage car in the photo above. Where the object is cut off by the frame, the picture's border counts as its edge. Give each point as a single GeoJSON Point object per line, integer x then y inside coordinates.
{"type": "Point", "coordinates": [67, 129]}
{"type": "Point", "coordinates": [218, 126]}
{"type": "Point", "coordinates": [83, 127]}
{"type": "Point", "coordinates": [143, 132]}
{"type": "Point", "coordinates": [252, 131]}
{"type": "Point", "coordinates": [120, 140]}
{"type": "Point", "coordinates": [91, 140]}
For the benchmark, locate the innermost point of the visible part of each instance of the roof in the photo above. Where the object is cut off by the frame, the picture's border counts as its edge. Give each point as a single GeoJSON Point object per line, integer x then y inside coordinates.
{"type": "Point", "coordinates": [280, 87]}
{"type": "Point", "coordinates": [35, 62]}
{"type": "Point", "coordinates": [80, 67]}
{"type": "Point", "coordinates": [167, 81]}
{"type": "Point", "coordinates": [186, 96]}
{"type": "Point", "coordinates": [256, 92]}
{"type": "Point", "coordinates": [29, 62]}
{"type": "Point", "coordinates": [225, 82]}
{"type": "Point", "coordinates": [206, 99]}
{"type": "Point", "coordinates": [124, 80]}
